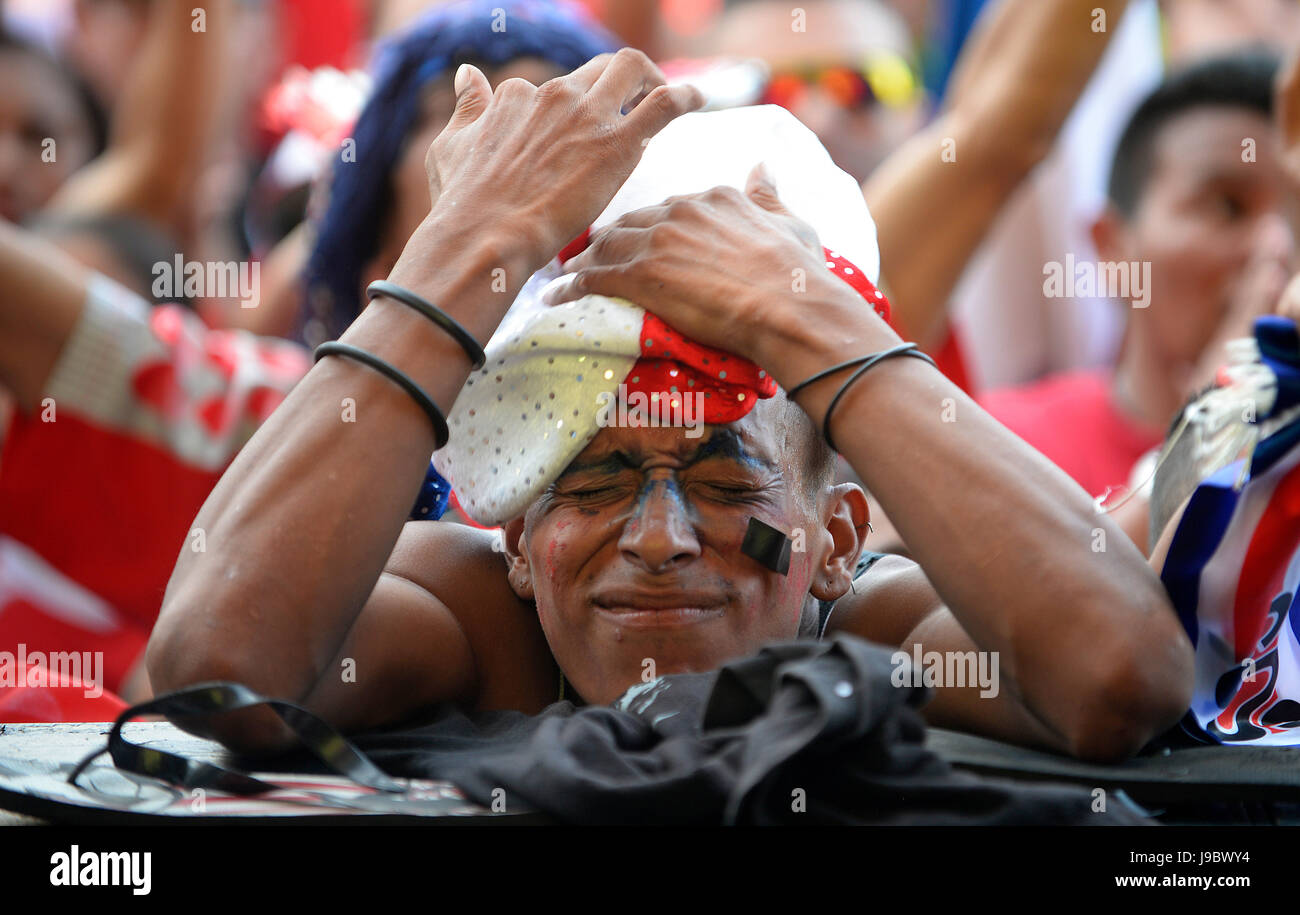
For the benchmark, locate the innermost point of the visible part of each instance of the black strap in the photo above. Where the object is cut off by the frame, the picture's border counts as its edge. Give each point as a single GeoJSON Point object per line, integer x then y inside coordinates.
{"type": "Point", "coordinates": [903, 349]}
{"type": "Point", "coordinates": [825, 373]}
{"type": "Point", "coordinates": [434, 314]}
{"type": "Point", "coordinates": [334, 348]}
{"type": "Point", "coordinates": [206, 699]}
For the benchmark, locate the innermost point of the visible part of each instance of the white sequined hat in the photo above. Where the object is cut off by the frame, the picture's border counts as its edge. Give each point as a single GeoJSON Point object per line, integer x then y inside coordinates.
{"type": "Point", "coordinates": [551, 371]}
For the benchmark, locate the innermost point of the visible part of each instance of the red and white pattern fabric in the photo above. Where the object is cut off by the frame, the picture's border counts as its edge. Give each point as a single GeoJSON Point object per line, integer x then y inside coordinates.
{"type": "Point", "coordinates": [99, 485]}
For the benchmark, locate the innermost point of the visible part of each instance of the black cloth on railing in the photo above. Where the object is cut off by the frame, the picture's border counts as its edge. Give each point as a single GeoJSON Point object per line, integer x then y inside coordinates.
{"type": "Point", "coordinates": [802, 733]}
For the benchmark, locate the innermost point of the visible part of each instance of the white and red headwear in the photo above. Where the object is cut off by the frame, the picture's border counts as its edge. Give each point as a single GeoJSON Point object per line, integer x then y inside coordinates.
{"type": "Point", "coordinates": [551, 371]}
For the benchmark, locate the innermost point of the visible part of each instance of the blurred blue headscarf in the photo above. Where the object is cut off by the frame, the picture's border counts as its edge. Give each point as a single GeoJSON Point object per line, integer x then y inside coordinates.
{"type": "Point", "coordinates": [492, 32]}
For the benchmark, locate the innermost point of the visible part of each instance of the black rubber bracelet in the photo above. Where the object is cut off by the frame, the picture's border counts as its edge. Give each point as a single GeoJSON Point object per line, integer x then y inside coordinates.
{"type": "Point", "coordinates": [334, 348]}
{"type": "Point", "coordinates": [905, 349]}
{"type": "Point", "coordinates": [825, 373]}
{"type": "Point", "coordinates": [434, 314]}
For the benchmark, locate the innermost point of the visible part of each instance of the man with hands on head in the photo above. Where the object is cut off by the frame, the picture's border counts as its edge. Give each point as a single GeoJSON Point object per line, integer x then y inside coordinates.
{"type": "Point", "coordinates": [635, 550]}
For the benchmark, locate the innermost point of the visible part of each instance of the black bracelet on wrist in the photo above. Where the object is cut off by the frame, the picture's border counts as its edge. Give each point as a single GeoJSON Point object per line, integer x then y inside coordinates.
{"type": "Point", "coordinates": [334, 348]}
{"type": "Point", "coordinates": [434, 314]}
{"type": "Point", "coordinates": [868, 363]}
{"type": "Point", "coordinates": [825, 373]}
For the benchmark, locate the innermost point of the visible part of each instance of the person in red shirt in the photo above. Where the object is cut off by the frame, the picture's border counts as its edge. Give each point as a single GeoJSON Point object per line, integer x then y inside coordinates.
{"type": "Point", "coordinates": [1195, 239]}
{"type": "Point", "coordinates": [126, 415]}
{"type": "Point", "coordinates": [1072, 418]}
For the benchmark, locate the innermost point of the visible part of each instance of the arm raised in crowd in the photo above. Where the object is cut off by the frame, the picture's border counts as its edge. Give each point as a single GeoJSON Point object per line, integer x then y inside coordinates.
{"type": "Point", "coordinates": [1092, 659]}
{"type": "Point", "coordinates": [936, 197]}
{"type": "Point", "coordinates": [300, 527]}
{"type": "Point", "coordinates": [160, 129]}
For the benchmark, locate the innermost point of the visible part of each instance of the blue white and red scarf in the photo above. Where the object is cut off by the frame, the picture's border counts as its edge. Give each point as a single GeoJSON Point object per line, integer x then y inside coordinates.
{"type": "Point", "coordinates": [1233, 573]}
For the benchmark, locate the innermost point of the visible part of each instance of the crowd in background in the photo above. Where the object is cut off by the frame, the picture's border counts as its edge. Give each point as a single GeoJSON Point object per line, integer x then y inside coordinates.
{"type": "Point", "coordinates": [279, 146]}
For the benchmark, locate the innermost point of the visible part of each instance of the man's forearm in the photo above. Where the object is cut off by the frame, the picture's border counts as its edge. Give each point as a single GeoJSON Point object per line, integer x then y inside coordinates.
{"type": "Point", "coordinates": [935, 199]}
{"type": "Point", "coordinates": [163, 121]}
{"type": "Point", "coordinates": [1014, 548]}
{"type": "Point", "coordinates": [297, 532]}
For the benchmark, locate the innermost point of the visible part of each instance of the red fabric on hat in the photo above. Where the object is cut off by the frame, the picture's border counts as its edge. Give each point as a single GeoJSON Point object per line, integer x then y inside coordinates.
{"type": "Point", "coordinates": [730, 384]}
{"type": "Point", "coordinates": [575, 247]}
{"type": "Point", "coordinates": [678, 365]}
{"type": "Point", "coordinates": [671, 363]}
{"type": "Point", "coordinates": [846, 270]}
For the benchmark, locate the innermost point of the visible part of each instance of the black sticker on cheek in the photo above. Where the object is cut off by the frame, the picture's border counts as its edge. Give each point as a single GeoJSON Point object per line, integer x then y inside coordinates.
{"type": "Point", "coordinates": [768, 546]}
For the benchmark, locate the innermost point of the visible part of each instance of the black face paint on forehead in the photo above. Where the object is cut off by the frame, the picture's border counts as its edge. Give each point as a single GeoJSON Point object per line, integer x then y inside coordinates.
{"type": "Point", "coordinates": [767, 546]}
{"type": "Point", "coordinates": [723, 444]}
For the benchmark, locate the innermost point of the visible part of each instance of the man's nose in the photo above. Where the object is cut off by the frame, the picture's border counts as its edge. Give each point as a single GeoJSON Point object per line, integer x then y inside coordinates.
{"type": "Point", "coordinates": [659, 534]}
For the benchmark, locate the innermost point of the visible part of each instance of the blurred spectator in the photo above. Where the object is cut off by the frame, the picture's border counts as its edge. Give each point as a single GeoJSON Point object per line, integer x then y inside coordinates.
{"type": "Point", "coordinates": [1197, 227]}
{"type": "Point", "coordinates": [1010, 334]}
{"type": "Point", "coordinates": [1197, 28]}
{"type": "Point", "coordinates": [134, 205]}
{"type": "Point", "coordinates": [936, 198]}
{"type": "Point", "coordinates": [50, 126]}
{"type": "Point", "coordinates": [379, 196]}
{"type": "Point", "coordinates": [102, 39]}
{"type": "Point", "coordinates": [843, 67]}
{"type": "Point", "coordinates": [126, 417]}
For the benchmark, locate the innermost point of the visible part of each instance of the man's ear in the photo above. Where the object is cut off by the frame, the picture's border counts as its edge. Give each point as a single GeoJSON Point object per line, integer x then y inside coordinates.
{"type": "Point", "coordinates": [519, 571]}
{"type": "Point", "coordinates": [845, 517]}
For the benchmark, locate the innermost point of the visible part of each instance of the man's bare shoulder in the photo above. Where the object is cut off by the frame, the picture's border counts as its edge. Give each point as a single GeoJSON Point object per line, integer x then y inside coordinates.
{"type": "Point", "coordinates": [459, 566]}
{"type": "Point", "coordinates": [430, 552]}
{"type": "Point", "coordinates": [887, 602]}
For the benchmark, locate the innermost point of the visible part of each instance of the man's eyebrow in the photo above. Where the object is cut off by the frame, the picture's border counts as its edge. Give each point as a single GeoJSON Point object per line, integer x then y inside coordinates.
{"type": "Point", "coordinates": [727, 444]}
{"type": "Point", "coordinates": [611, 464]}
{"type": "Point", "coordinates": [723, 445]}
